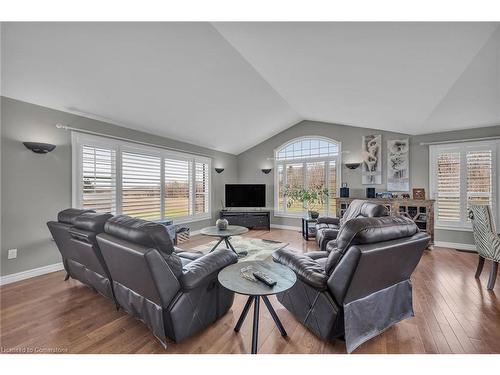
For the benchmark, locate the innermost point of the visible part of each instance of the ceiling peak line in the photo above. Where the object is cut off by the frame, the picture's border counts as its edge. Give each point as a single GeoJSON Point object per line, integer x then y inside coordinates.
{"type": "Point", "coordinates": [492, 36]}
{"type": "Point", "coordinates": [299, 116]}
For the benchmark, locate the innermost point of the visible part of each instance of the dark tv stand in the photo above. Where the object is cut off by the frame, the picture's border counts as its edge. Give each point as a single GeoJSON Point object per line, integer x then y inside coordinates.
{"type": "Point", "coordinates": [248, 218]}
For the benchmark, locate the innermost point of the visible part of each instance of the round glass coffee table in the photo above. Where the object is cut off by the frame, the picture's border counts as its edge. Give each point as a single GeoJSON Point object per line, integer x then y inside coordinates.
{"type": "Point", "coordinates": [225, 235]}
{"type": "Point", "coordinates": [238, 278]}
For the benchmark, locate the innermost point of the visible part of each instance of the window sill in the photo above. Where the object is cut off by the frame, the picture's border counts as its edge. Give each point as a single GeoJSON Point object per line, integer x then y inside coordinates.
{"type": "Point", "coordinates": [284, 214]}
{"type": "Point", "coordinates": [455, 228]}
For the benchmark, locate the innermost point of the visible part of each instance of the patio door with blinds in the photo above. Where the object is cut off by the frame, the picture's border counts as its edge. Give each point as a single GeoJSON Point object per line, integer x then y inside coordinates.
{"type": "Point", "coordinates": [139, 181]}
{"type": "Point", "coordinates": [461, 174]}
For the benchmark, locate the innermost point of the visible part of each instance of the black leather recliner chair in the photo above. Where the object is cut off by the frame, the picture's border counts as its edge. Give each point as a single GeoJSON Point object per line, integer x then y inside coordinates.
{"type": "Point", "coordinates": [75, 236]}
{"type": "Point", "coordinates": [362, 286]}
{"type": "Point", "coordinates": [327, 228]}
{"type": "Point", "coordinates": [175, 298]}
{"type": "Point", "coordinates": [60, 233]}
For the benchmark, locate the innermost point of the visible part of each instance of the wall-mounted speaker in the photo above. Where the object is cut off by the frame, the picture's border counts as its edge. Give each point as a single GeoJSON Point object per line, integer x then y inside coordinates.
{"type": "Point", "coordinates": [370, 192]}
{"type": "Point", "coordinates": [344, 192]}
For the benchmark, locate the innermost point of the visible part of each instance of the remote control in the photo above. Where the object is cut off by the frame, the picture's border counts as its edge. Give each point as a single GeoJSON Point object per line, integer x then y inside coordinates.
{"type": "Point", "coordinates": [264, 278]}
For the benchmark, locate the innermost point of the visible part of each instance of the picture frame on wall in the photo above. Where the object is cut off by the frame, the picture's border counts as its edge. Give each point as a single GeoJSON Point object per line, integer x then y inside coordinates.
{"type": "Point", "coordinates": [419, 193]}
{"type": "Point", "coordinates": [398, 165]}
{"type": "Point", "coordinates": [371, 173]}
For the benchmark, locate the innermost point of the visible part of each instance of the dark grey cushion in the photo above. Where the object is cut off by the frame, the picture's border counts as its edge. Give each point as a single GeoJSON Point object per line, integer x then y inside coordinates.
{"type": "Point", "coordinates": [367, 230]}
{"type": "Point", "coordinates": [307, 269]}
{"type": "Point", "coordinates": [91, 221]}
{"type": "Point", "coordinates": [69, 215]}
{"type": "Point", "coordinates": [143, 232]}
{"type": "Point", "coordinates": [201, 270]}
{"type": "Point", "coordinates": [147, 234]}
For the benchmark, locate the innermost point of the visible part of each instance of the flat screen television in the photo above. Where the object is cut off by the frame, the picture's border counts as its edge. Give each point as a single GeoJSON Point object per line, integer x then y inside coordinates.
{"type": "Point", "coordinates": [245, 195]}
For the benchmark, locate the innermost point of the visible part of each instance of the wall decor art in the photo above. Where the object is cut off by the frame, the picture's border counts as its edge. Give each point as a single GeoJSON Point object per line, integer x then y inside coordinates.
{"type": "Point", "coordinates": [398, 165]}
{"type": "Point", "coordinates": [418, 193]}
{"type": "Point", "coordinates": [372, 160]}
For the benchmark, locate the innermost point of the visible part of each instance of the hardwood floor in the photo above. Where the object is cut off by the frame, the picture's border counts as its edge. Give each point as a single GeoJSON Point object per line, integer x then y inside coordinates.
{"type": "Point", "coordinates": [454, 313]}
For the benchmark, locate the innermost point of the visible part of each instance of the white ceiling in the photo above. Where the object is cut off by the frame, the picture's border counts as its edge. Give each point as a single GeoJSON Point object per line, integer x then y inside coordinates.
{"type": "Point", "coordinates": [229, 86]}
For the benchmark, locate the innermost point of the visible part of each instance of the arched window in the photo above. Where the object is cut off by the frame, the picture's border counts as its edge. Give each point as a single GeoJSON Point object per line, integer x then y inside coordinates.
{"type": "Point", "coordinates": [306, 163]}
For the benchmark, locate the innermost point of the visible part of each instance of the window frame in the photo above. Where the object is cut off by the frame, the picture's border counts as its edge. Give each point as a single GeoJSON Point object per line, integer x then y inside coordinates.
{"type": "Point", "coordinates": [462, 148]}
{"type": "Point", "coordinates": [281, 211]}
{"type": "Point", "coordinates": [78, 140]}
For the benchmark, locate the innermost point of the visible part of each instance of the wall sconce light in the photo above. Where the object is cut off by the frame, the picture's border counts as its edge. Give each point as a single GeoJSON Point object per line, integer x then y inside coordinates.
{"type": "Point", "coordinates": [219, 170]}
{"type": "Point", "coordinates": [39, 148]}
{"type": "Point", "coordinates": [352, 165]}
{"type": "Point", "coordinates": [266, 170]}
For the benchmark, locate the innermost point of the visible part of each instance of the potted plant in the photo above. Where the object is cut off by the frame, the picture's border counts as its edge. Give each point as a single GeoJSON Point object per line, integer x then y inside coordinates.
{"type": "Point", "coordinates": [311, 199]}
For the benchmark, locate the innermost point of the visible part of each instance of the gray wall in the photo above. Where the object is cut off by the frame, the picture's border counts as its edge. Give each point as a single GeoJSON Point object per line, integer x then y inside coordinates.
{"type": "Point", "coordinates": [35, 187]}
{"type": "Point", "coordinates": [251, 161]}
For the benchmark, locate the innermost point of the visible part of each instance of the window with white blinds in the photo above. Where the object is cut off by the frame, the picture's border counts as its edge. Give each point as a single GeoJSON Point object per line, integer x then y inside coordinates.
{"type": "Point", "coordinates": [98, 182]}
{"type": "Point", "coordinates": [461, 174]}
{"type": "Point", "coordinates": [139, 181]}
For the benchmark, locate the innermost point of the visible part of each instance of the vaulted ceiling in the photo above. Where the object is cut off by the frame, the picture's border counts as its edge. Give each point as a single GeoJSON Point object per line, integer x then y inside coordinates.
{"type": "Point", "coordinates": [229, 86]}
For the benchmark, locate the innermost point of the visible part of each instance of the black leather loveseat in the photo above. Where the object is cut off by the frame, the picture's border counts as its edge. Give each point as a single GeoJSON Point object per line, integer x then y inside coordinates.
{"type": "Point", "coordinates": [174, 297]}
{"type": "Point", "coordinates": [327, 228]}
{"type": "Point", "coordinates": [362, 286]}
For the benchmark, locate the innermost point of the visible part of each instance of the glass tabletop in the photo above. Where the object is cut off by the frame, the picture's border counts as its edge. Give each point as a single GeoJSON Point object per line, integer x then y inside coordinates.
{"type": "Point", "coordinates": [232, 230]}
{"type": "Point", "coordinates": [231, 278]}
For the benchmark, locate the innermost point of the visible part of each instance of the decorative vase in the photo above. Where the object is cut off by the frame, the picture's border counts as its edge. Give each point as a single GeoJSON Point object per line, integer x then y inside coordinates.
{"type": "Point", "coordinates": [313, 214]}
{"type": "Point", "coordinates": [221, 224]}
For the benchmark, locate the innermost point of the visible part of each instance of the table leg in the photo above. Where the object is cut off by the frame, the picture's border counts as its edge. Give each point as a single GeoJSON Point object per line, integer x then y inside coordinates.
{"type": "Point", "coordinates": [240, 254]}
{"type": "Point", "coordinates": [244, 314]}
{"type": "Point", "coordinates": [255, 330]}
{"type": "Point", "coordinates": [217, 244]}
{"type": "Point", "coordinates": [275, 316]}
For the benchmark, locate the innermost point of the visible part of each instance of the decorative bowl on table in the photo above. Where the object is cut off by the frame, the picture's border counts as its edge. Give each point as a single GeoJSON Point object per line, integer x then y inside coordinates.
{"type": "Point", "coordinates": [221, 224]}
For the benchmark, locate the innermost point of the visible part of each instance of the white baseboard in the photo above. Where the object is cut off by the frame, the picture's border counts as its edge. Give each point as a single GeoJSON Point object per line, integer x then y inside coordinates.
{"type": "Point", "coordinates": [12, 278]}
{"type": "Point", "coordinates": [288, 227]}
{"type": "Point", "coordinates": [453, 245]}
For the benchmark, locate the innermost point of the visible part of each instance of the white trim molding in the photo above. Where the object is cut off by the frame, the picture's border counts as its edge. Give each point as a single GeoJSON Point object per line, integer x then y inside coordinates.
{"type": "Point", "coordinates": [287, 227]}
{"type": "Point", "coordinates": [14, 277]}
{"type": "Point", "coordinates": [454, 245]}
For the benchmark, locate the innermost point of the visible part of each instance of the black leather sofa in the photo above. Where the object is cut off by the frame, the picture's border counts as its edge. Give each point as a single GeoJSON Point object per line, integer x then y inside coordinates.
{"type": "Point", "coordinates": [327, 228]}
{"type": "Point", "coordinates": [174, 292]}
{"type": "Point", "coordinates": [362, 286]}
{"type": "Point", "coordinates": [174, 296]}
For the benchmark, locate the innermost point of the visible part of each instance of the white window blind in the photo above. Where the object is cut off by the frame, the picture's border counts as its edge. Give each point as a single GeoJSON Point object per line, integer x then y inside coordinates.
{"type": "Point", "coordinates": [140, 181]}
{"type": "Point", "coordinates": [306, 162]}
{"type": "Point", "coordinates": [201, 188]}
{"type": "Point", "coordinates": [98, 182]}
{"type": "Point", "coordinates": [461, 174]}
{"type": "Point", "coordinates": [448, 195]}
{"type": "Point", "coordinates": [177, 188]}
{"type": "Point", "coordinates": [479, 177]}
{"type": "Point", "coordinates": [141, 186]}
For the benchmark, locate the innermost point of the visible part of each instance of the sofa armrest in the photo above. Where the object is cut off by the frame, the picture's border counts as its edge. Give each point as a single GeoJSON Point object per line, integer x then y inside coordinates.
{"type": "Point", "coordinates": [328, 220]}
{"type": "Point", "coordinates": [307, 269]}
{"type": "Point", "coordinates": [201, 270]}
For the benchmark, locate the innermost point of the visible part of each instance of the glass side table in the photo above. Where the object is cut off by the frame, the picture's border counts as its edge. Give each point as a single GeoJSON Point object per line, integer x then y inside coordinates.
{"type": "Point", "coordinates": [308, 228]}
